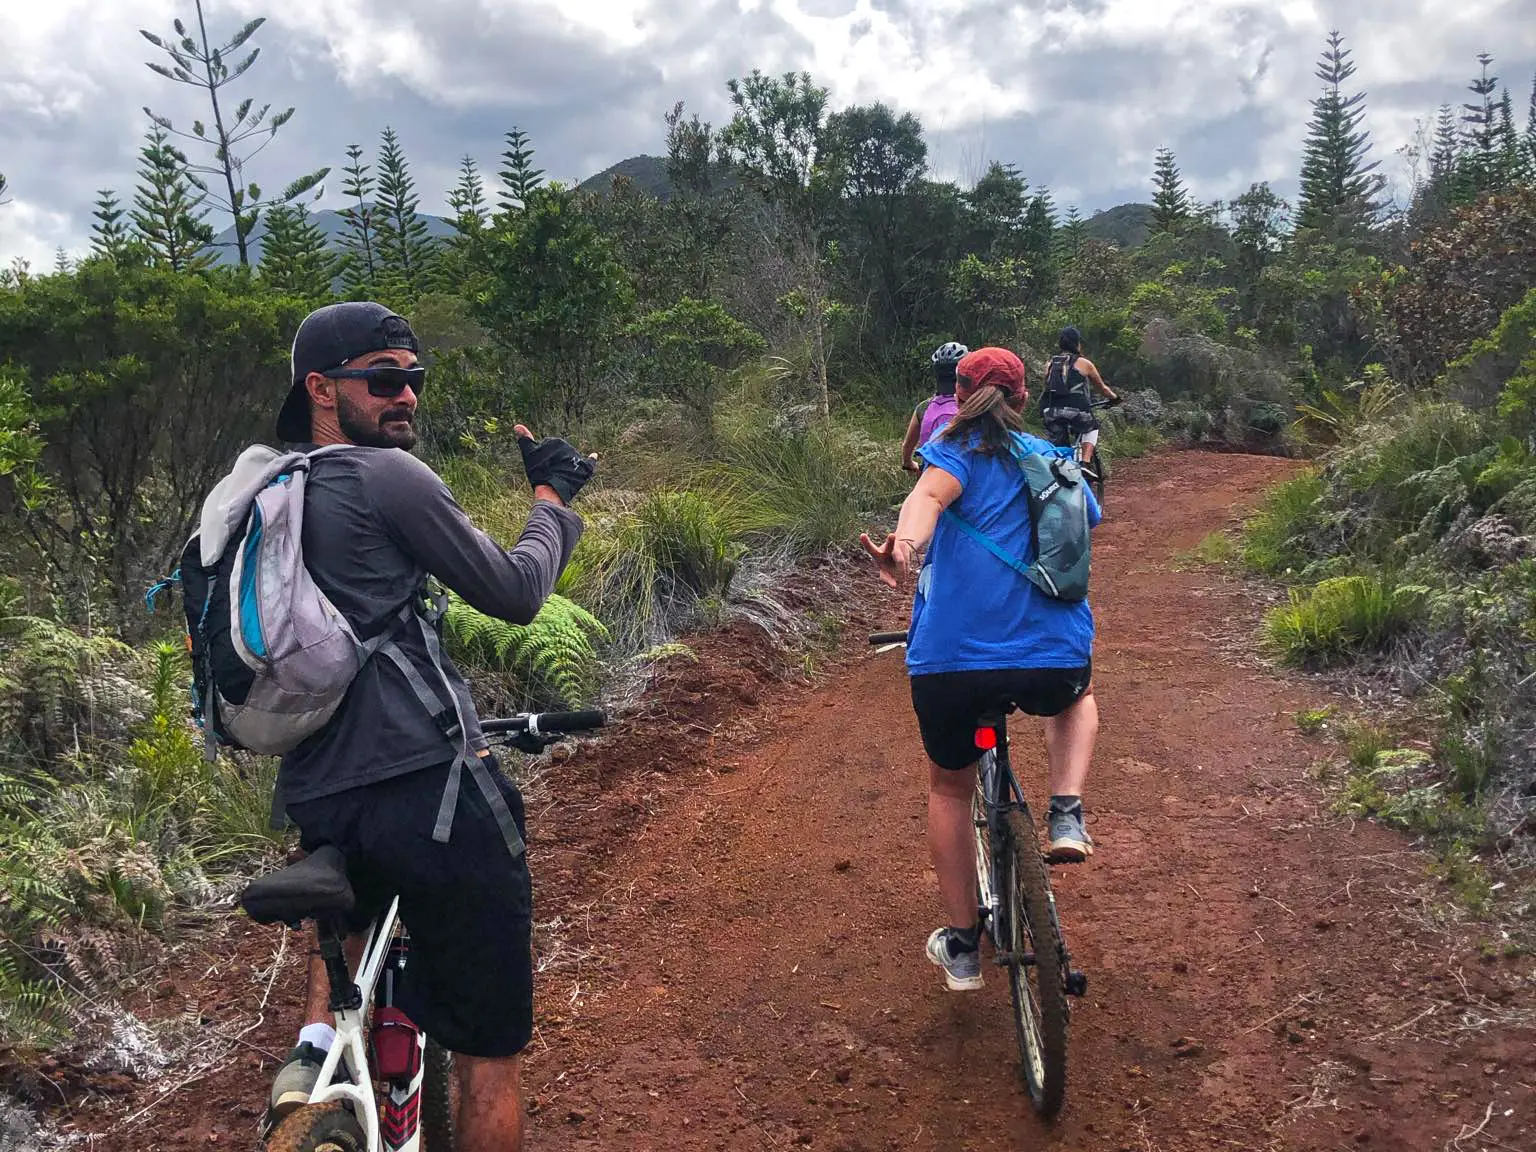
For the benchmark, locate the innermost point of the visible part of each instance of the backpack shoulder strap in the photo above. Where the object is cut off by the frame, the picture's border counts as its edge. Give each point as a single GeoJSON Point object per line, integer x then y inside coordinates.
{"type": "Point", "coordinates": [439, 709]}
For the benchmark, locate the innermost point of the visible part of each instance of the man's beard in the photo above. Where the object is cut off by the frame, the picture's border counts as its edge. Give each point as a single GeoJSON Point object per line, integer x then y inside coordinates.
{"type": "Point", "coordinates": [360, 429]}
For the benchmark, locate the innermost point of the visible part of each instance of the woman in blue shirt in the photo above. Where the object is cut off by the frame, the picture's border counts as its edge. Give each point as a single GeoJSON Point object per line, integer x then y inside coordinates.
{"type": "Point", "coordinates": [982, 635]}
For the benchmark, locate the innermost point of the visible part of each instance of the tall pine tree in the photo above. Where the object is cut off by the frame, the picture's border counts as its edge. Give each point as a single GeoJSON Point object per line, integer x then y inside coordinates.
{"type": "Point", "coordinates": [406, 251]}
{"type": "Point", "coordinates": [1530, 133]}
{"type": "Point", "coordinates": [1480, 120]}
{"type": "Point", "coordinates": [3, 199]}
{"type": "Point", "coordinates": [109, 235]}
{"type": "Point", "coordinates": [1170, 200]}
{"type": "Point", "coordinates": [168, 216]}
{"type": "Point", "coordinates": [1341, 192]}
{"type": "Point", "coordinates": [467, 202]}
{"type": "Point", "coordinates": [195, 62]}
{"type": "Point", "coordinates": [295, 256]}
{"type": "Point", "coordinates": [359, 240]}
{"type": "Point", "coordinates": [1511, 154]}
{"type": "Point", "coordinates": [1071, 236]}
{"type": "Point", "coordinates": [518, 175]}
{"type": "Point", "coordinates": [1038, 246]}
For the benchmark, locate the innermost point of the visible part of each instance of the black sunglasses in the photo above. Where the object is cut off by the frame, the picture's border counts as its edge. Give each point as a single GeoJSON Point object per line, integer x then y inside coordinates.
{"type": "Point", "coordinates": [383, 380]}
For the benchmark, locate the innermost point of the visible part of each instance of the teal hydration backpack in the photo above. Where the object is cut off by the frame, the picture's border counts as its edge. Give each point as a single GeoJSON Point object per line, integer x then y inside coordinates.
{"type": "Point", "coordinates": [1058, 528]}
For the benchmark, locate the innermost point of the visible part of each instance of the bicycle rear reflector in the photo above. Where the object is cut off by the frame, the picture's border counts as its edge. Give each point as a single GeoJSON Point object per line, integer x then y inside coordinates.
{"type": "Point", "coordinates": [986, 739]}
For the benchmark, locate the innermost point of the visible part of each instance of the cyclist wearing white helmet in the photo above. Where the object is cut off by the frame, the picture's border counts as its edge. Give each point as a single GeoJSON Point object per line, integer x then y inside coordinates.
{"type": "Point", "coordinates": [939, 409]}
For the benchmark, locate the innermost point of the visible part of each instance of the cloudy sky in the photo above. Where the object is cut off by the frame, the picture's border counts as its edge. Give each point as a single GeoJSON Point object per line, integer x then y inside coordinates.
{"type": "Point", "coordinates": [1077, 93]}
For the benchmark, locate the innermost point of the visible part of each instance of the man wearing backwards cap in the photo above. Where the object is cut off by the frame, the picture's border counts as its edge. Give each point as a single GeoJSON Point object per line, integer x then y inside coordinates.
{"type": "Point", "coordinates": [981, 633]}
{"type": "Point", "coordinates": [377, 523]}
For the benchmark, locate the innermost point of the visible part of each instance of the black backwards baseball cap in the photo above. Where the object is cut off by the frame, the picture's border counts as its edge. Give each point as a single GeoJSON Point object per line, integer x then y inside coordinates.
{"type": "Point", "coordinates": [327, 339]}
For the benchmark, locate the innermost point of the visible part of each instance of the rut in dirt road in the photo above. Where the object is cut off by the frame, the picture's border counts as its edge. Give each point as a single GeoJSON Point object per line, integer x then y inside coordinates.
{"type": "Point", "coordinates": [1255, 978]}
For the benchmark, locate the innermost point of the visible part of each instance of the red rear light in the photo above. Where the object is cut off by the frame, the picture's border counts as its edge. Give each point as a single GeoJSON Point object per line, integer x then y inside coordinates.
{"type": "Point", "coordinates": [986, 739]}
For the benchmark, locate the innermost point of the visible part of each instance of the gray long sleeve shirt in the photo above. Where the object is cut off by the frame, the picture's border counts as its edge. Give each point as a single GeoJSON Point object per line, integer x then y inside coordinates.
{"type": "Point", "coordinates": [377, 522]}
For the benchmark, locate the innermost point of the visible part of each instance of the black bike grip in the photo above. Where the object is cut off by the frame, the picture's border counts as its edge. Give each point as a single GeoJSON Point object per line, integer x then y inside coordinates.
{"type": "Point", "coordinates": [572, 721]}
{"type": "Point", "coordinates": [878, 638]}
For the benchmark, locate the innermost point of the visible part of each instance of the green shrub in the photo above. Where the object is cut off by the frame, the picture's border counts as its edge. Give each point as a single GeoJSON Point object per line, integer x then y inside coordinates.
{"type": "Point", "coordinates": [1339, 619]}
{"type": "Point", "coordinates": [1275, 537]}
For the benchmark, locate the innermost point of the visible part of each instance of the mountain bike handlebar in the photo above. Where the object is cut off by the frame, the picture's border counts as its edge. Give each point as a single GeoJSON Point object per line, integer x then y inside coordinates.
{"type": "Point", "coordinates": [878, 638]}
{"type": "Point", "coordinates": [545, 723]}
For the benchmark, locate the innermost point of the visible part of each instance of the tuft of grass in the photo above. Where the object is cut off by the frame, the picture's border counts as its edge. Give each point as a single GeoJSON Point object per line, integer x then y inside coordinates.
{"type": "Point", "coordinates": [1312, 720]}
{"type": "Point", "coordinates": [1365, 743]}
{"type": "Point", "coordinates": [814, 487]}
{"type": "Point", "coordinates": [1215, 549]}
{"type": "Point", "coordinates": [1340, 619]}
{"type": "Point", "coordinates": [1132, 440]}
{"type": "Point", "coordinates": [1275, 537]}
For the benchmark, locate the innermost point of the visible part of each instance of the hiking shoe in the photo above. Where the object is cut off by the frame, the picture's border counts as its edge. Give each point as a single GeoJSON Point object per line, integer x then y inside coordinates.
{"type": "Point", "coordinates": [1069, 840]}
{"type": "Point", "coordinates": [295, 1081]}
{"type": "Point", "coordinates": [962, 970]}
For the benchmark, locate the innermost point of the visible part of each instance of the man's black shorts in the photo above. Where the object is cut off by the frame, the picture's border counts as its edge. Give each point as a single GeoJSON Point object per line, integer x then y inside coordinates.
{"type": "Point", "coordinates": [949, 705]}
{"type": "Point", "coordinates": [468, 903]}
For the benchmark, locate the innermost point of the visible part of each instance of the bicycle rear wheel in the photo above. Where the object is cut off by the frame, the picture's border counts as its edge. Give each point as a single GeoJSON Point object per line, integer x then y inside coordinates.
{"type": "Point", "coordinates": [1037, 982]}
{"type": "Point", "coordinates": [439, 1099]}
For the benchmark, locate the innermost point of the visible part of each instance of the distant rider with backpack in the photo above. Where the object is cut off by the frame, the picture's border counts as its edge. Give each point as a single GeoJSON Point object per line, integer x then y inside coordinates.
{"type": "Point", "coordinates": [410, 792]}
{"type": "Point", "coordinates": [939, 409]}
{"type": "Point", "coordinates": [1066, 404]}
{"type": "Point", "coordinates": [984, 633]}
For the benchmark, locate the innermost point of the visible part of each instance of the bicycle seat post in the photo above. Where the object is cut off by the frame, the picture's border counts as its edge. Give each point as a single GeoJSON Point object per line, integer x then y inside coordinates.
{"type": "Point", "coordinates": [344, 992]}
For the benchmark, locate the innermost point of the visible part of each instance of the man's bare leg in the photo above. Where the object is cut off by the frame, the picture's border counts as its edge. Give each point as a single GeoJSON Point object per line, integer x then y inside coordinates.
{"type": "Point", "coordinates": [490, 1117]}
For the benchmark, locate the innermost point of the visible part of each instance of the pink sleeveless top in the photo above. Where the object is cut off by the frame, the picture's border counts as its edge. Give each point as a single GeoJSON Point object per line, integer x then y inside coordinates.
{"type": "Point", "coordinates": [940, 410]}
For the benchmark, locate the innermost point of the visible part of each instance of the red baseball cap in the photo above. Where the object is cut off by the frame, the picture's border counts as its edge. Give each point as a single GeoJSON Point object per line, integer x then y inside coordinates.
{"type": "Point", "coordinates": [997, 367]}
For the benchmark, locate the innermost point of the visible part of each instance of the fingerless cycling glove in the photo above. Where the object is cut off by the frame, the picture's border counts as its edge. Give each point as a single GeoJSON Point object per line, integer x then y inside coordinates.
{"type": "Point", "coordinates": [554, 462]}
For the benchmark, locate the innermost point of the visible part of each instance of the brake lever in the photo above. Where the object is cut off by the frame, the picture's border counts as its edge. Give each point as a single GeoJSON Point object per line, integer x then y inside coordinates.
{"type": "Point", "coordinates": [533, 743]}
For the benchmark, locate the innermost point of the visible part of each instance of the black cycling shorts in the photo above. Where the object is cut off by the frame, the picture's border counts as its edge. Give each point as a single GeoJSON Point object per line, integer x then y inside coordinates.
{"type": "Point", "coordinates": [1061, 424]}
{"type": "Point", "coordinates": [949, 705]}
{"type": "Point", "coordinates": [468, 904]}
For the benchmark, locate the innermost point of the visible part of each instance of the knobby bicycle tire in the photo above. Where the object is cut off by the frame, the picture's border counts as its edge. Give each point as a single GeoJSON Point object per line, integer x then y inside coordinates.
{"type": "Point", "coordinates": [318, 1128]}
{"type": "Point", "coordinates": [1039, 990]}
{"type": "Point", "coordinates": [438, 1110]}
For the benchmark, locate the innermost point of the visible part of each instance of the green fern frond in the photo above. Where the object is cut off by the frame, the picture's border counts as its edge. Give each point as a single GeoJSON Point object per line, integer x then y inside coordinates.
{"type": "Point", "coordinates": [557, 651]}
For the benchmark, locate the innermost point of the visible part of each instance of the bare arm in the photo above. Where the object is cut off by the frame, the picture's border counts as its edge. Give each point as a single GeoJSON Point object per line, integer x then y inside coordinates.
{"type": "Point", "coordinates": [936, 490]}
{"type": "Point", "coordinates": [1088, 369]}
{"type": "Point", "coordinates": [909, 444]}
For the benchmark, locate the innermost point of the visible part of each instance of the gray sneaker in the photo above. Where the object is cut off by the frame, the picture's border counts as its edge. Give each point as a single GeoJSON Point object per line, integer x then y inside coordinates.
{"type": "Point", "coordinates": [1069, 840]}
{"type": "Point", "coordinates": [962, 970]}
{"type": "Point", "coordinates": [295, 1081]}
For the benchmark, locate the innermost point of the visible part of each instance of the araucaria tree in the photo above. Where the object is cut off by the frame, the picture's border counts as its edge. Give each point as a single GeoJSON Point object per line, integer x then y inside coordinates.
{"type": "Point", "coordinates": [194, 61]}
{"type": "Point", "coordinates": [1341, 192]}
{"type": "Point", "coordinates": [168, 215]}
{"type": "Point", "coordinates": [1170, 200]}
{"type": "Point", "coordinates": [406, 252]}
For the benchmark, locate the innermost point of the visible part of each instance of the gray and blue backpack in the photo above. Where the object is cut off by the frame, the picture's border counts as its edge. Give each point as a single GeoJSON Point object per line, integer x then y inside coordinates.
{"type": "Point", "coordinates": [1058, 527]}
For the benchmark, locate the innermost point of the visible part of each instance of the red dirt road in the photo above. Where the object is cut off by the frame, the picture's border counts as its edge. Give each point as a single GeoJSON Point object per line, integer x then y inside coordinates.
{"type": "Point", "coordinates": [1257, 977]}
{"type": "Point", "coordinates": [733, 894]}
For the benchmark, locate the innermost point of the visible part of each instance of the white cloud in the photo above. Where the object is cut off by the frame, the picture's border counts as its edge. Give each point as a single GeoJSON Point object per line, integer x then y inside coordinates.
{"type": "Point", "coordinates": [1079, 93]}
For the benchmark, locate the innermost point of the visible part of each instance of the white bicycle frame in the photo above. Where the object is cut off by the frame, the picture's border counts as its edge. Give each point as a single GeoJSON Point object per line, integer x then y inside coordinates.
{"type": "Point", "coordinates": [352, 1044]}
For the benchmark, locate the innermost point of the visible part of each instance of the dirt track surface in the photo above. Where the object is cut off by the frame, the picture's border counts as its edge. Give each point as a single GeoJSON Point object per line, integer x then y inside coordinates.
{"type": "Point", "coordinates": [1254, 981]}
{"type": "Point", "coordinates": [734, 895]}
